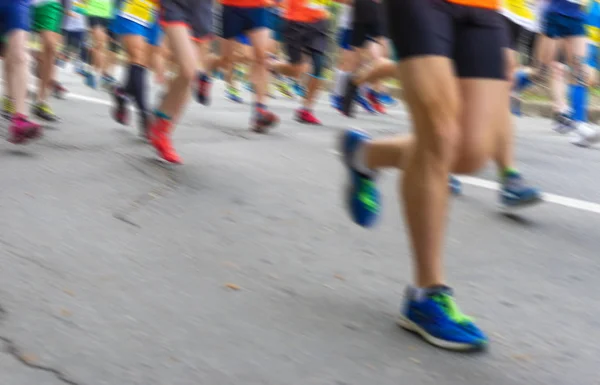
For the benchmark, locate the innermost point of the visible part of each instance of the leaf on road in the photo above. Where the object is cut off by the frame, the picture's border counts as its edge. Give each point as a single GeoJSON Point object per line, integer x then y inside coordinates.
{"type": "Point", "coordinates": [232, 286]}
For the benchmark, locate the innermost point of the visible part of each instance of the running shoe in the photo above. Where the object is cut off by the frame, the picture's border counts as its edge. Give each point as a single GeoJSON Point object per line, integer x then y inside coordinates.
{"type": "Point", "coordinates": [304, 115]}
{"type": "Point", "coordinates": [59, 91]}
{"type": "Point", "coordinates": [160, 137]}
{"type": "Point", "coordinates": [361, 194]}
{"type": "Point", "coordinates": [455, 185]}
{"type": "Point", "coordinates": [8, 108]}
{"type": "Point", "coordinates": [585, 135]}
{"type": "Point", "coordinates": [233, 94]}
{"type": "Point", "coordinates": [284, 88]}
{"type": "Point", "coordinates": [90, 80]}
{"type": "Point", "coordinates": [364, 103]}
{"type": "Point", "coordinates": [516, 193]}
{"type": "Point", "coordinates": [120, 111]}
{"type": "Point", "coordinates": [373, 99]}
{"type": "Point", "coordinates": [387, 99]}
{"type": "Point", "coordinates": [336, 102]}
{"type": "Point", "coordinates": [434, 316]}
{"type": "Point", "coordinates": [263, 120]}
{"type": "Point", "coordinates": [204, 83]}
{"type": "Point", "coordinates": [44, 111]}
{"type": "Point", "coordinates": [299, 90]}
{"type": "Point", "coordinates": [349, 98]}
{"type": "Point", "coordinates": [562, 123]}
{"type": "Point", "coordinates": [22, 129]}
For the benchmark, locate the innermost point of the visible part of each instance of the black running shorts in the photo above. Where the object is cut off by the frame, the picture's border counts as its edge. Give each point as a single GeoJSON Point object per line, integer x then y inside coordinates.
{"type": "Point", "coordinates": [102, 22]}
{"type": "Point", "coordinates": [305, 38]}
{"type": "Point", "coordinates": [196, 14]}
{"type": "Point", "coordinates": [474, 38]}
{"type": "Point", "coordinates": [521, 40]}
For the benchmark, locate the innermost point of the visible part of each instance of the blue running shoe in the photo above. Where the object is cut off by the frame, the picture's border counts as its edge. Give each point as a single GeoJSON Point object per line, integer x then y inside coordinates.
{"type": "Point", "coordinates": [455, 185]}
{"type": "Point", "coordinates": [336, 102]}
{"type": "Point", "coordinates": [522, 81]}
{"type": "Point", "coordinates": [365, 104]}
{"type": "Point", "coordinates": [516, 193]}
{"type": "Point", "coordinates": [299, 90]}
{"type": "Point", "coordinates": [387, 99]}
{"type": "Point", "coordinates": [362, 195]}
{"type": "Point", "coordinates": [438, 320]}
{"type": "Point", "coordinates": [90, 80]}
{"type": "Point", "coordinates": [233, 94]}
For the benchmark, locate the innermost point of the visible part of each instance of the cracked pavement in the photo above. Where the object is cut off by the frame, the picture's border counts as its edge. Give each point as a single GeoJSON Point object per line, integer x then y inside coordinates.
{"type": "Point", "coordinates": [118, 269]}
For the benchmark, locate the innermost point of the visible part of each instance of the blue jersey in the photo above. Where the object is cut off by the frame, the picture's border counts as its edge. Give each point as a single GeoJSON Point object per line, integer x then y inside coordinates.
{"type": "Point", "coordinates": [570, 8]}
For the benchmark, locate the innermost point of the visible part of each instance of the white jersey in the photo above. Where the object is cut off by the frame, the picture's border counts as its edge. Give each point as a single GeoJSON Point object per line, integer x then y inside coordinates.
{"type": "Point", "coordinates": [521, 12]}
{"type": "Point", "coordinates": [76, 23]}
{"type": "Point", "coordinates": [346, 16]}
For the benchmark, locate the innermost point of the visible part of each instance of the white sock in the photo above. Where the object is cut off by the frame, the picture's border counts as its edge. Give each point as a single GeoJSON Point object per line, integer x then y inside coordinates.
{"type": "Point", "coordinates": [340, 82]}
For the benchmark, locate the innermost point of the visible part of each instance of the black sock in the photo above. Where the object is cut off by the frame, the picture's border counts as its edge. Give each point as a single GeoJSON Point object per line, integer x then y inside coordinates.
{"type": "Point", "coordinates": [129, 83]}
{"type": "Point", "coordinates": [139, 88]}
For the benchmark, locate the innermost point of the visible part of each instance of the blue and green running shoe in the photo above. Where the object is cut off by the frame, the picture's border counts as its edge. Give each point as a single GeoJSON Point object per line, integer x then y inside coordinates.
{"type": "Point", "coordinates": [299, 90]}
{"type": "Point", "coordinates": [362, 195]}
{"type": "Point", "coordinates": [516, 193]}
{"type": "Point", "coordinates": [233, 94]}
{"type": "Point", "coordinates": [437, 319]}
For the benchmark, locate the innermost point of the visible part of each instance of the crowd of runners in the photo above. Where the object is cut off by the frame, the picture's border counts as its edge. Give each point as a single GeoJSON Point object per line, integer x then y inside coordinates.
{"type": "Point", "coordinates": [462, 65]}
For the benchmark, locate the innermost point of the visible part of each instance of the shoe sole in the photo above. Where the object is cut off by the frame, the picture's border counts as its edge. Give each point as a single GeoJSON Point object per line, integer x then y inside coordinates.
{"type": "Point", "coordinates": [265, 129]}
{"type": "Point", "coordinates": [410, 326]}
{"type": "Point", "coordinates": [307, 123]}
{"type": "Point", "coordinates": [509, 209]}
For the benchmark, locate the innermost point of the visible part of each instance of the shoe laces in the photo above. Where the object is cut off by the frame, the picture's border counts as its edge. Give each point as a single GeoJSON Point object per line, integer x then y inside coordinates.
{"type": "Point", "coordinates": [450, 308]}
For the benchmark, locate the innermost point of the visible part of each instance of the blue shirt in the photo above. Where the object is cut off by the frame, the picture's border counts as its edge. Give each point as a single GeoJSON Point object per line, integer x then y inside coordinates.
{"type": "Point", "coordinates": [571, 8]}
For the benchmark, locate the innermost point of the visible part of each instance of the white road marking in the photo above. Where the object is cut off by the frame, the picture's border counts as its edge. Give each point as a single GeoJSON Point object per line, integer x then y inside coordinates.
{"type": "Point", "coordinates": [572, 203]}
{"type": "Point", "coordinates": [560, 200]}
{"type": "Point", "coordinates": [89, 99]}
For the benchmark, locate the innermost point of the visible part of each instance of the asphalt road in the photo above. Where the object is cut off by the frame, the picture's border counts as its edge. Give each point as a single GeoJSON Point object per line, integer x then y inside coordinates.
{"type": "Point", "coordinates": [241, 267]}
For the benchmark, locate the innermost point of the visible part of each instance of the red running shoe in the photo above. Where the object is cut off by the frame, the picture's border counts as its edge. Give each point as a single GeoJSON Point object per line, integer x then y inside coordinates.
{"type": "Point", "coordinates": [263, 121]}
{"type": "Point", "coordinates": [160, 138]}
{"type": "Point", "coordinates": [304, 115]}
{"type": "Point", "coordinates": [374, 100]}
{"type": "Point", "coordinates": [22, 129]}
{"type": "Point", "coordinates": [203, 89]}
{"type": "Point", "coordinates": [120, 111]}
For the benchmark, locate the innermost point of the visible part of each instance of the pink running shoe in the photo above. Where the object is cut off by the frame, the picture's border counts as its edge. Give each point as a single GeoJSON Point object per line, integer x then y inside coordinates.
{"type": "Point", "coordinates": [22, 129]}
